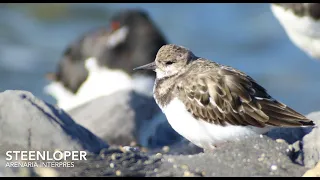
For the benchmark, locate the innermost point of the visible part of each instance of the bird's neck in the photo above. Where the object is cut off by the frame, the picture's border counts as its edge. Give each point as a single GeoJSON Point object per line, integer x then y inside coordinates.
{"type": "Point", "coordinates": [163, 89]}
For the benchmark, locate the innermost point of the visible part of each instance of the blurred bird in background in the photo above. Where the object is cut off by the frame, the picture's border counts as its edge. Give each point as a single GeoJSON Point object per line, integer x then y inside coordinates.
{"type": "Point", "coordinates": [101, 61]}
{"type": "Point", "coordinates": [301, 21]}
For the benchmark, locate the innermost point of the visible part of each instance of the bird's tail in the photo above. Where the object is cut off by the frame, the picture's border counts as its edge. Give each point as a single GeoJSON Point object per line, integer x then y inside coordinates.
{"type": "Point", "coordinates": [282, 115]}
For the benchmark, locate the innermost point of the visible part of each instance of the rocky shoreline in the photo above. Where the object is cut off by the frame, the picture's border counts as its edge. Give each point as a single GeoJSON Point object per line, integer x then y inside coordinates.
{"type": "Point", "coordinates": [36, 125]}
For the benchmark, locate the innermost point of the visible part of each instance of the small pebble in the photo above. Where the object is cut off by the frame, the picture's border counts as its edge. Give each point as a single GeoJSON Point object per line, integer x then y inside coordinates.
{"type": "Point", "coordinates": [143, 149]}
{"type": "Point", "coordinates": [280, 141]}
{"type": "Point", "coordinates": [261, 158]}
{"type": "Point", "coordinates": [148, 162]}
{"type": "Point", "coordinates": [118, 173]}
{"type": "Point", "coordinates": [123, 149]}
{"type": "Point", "coordinates": [46, 172]}
{"type": "Point", "coordinates": [102, 153]}
{"type": "Point", "coordinates": [127, 148]}
{"type": "Point", "coordinates": [111, 165]}
{"type": "Point", "coordinates": [288, 150]}
{"type": "Point", "coordinates": [133, 143]}
{"type": "Point", "coordinates": [274, 167]}
{"type": "Point", "coordinates": [113, 156]}
{"type": "Point", "coordinates": [170, 160]}
{"type": "Point", "coordinates": [159, 154]}
{"type": "Point", "coordinates": [165, 149]}
{"type": "Point", "coordinates": [187, 174]}
{"type": "Point", "coordinates": [184, 167]}
{"type": "Point", "coordinates": [261, 136]}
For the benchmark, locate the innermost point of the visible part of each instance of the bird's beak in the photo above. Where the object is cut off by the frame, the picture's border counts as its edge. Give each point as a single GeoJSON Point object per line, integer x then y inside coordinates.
{"type": "Point", "coordinates": [150, 66]}
{"type": "Point", "coordinates": [51, 76]}
{"type": "Point", "coordinates": [115, 25]}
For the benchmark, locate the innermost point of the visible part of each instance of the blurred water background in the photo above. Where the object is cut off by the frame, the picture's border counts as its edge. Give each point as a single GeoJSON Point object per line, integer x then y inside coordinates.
{"type": "Point", "coordinates": [245, 36]}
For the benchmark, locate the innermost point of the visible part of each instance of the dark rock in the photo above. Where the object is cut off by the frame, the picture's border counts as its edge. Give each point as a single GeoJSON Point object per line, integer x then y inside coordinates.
{"type": "Point", "coordinates": [28, 123]}
{"type": "Point", "coordinates": [254, 156]}
{"type": "Point", "coordinates": [126, 116]}
{"type": "Point", "coordinates": [290, 135]}
{"type": "Point", "coordinates": [306, 150]}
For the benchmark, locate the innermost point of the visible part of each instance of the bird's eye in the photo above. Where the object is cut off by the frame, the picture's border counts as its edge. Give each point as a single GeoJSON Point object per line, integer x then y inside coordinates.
{"type": "Point", "coordinates": [169, 62]}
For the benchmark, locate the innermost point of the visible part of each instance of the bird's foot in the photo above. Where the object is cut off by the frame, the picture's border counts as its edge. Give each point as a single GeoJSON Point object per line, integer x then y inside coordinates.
{"type": "Point", "coordinates": [210, 149]}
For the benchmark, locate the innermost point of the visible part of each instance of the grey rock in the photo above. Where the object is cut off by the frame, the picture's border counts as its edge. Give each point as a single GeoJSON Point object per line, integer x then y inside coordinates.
{"type": "Point", "coordinates": [13, 171]}
{"type": "Point", "coordinates": [126, 116]}
{"type": "Point", "coordinates": [184, 147]}
{"type": "Point", "coordinates": [27, 123]}
{"type": "Point", "coordinates": [292, 135]}
{"type": "Point", "coordinates": [304, 141]}
{"type": "Point", "coordinates": [311, 143]}
{"type": "Point", "coordinates": [35, 124]}
{"type": "Point", "coordinates": [3, 170]}
{"type": "Point", "coordinates": [254, 156]}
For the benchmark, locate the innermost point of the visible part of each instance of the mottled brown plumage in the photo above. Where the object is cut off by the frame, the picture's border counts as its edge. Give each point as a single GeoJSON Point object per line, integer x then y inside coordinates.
{"type": "Point", "coordinates": [208, 103]}
{"type": "Point", "coordinates": [216, 93]}
{"type": "Point", "coordinates": [220, 94]}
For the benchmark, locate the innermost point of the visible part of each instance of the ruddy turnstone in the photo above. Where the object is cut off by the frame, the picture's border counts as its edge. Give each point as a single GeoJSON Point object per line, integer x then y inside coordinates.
{"type": "Point", "coordinates": [301, 22]}
{"type": "Point", "coordinates": [108, 55]}
{"type": "Point", "coordinates": [209, 103]}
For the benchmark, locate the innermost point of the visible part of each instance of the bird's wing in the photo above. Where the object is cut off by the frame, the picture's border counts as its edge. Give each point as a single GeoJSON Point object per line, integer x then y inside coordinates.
{"type": "Point", "coordinates": [226, 95]}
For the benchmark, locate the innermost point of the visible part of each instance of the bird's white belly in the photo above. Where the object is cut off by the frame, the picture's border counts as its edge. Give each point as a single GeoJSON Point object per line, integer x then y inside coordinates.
{"type": "Point", "coordinates": [101, 81]}
{"type": "Point", "coordinates": [304, 32]}
{"type": "Point", "coordinates": [96, 85]}
{"type": "Point", "coordinates": [201, 133]}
